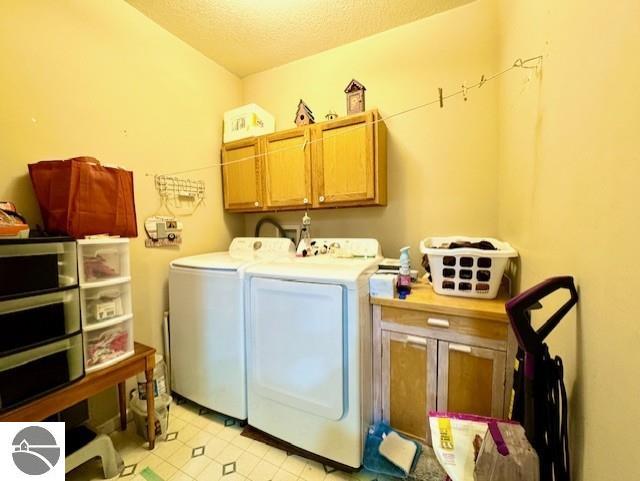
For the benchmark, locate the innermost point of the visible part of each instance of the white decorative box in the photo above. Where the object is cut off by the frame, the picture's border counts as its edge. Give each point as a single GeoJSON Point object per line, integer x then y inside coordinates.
{"type": "Point", "coordinates": [247, 121]}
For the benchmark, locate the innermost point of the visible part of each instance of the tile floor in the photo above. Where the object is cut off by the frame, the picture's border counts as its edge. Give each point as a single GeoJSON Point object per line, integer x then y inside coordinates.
{"type": "Point", "coordinates": [206, 446]}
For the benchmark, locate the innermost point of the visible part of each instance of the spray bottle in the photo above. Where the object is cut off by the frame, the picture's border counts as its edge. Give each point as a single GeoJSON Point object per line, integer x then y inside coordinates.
{"type": "Point", "coordinates": [404, 275]}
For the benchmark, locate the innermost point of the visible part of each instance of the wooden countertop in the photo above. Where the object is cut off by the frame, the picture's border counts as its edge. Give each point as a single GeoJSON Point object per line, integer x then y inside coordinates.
{"type": "Point", "coordinates": [422, 298]}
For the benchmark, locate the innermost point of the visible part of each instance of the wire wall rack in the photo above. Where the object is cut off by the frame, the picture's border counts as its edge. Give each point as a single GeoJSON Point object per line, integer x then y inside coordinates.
{"type": "Point", "coordinates": [178, 192]}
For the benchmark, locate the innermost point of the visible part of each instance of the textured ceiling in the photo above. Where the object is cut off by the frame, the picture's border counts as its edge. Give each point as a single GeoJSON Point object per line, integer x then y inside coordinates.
{"type": "Point", "coordinates": [248, 36]}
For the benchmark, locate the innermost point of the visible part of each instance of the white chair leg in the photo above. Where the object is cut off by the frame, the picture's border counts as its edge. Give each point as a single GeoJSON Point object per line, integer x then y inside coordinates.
{"type": "Point", "coordinates": [112, 462]}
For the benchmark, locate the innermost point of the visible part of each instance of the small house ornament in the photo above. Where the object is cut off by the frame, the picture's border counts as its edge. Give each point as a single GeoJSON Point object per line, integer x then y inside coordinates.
{"type": "Point", "coordinates": [355, 97]}
{"type": "Point", "coordinates": [304, 116]}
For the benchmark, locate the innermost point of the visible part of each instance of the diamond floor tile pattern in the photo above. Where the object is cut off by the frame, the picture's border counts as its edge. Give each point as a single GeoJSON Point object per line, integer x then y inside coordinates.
{"type": "Point", "coordinates": [206, 446]}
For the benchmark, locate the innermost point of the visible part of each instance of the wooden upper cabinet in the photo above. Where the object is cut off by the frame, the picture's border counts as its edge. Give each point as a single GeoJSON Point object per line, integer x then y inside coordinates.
{"type": "Point", "coordinates": [343, 163]}
{"type": "Point", "coordinates": [471, 379]}
{"type": "Point", "coordinates": [350, 161]}
{"type": "Point", "coordinates": [242, 178]}
{"type": "Point", "coordinates": [287, 169]}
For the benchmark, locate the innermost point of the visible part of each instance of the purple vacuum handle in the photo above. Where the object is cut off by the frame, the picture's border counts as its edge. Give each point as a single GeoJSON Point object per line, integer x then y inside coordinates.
{"type": "Point", "coordinates": [518, 307]}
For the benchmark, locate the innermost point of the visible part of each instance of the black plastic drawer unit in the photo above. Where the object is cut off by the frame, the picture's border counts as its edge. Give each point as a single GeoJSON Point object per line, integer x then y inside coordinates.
{"type": "Point", "coordinates": [34, 372]}
{"type": "Point", "coordinates": [29, 321]}
{"type": "Point", "coordinates": [30, 266]}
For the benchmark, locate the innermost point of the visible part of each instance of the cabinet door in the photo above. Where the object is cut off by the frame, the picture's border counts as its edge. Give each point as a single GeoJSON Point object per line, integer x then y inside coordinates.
{"type": "Point", "coordinates": [470, 379]}
{"type": "Point", "coordinates": [287, 168]}
{"type": "Point", "coordinates": [242, 178]}
{"type": "Point", "coordinates": [344, 161]}
{"type": "Point", "coordinates": [409, 371]}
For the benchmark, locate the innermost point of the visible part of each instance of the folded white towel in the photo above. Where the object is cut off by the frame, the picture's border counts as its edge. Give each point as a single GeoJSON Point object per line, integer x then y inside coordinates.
{"type": "Point", "coordinates": [398, 450]}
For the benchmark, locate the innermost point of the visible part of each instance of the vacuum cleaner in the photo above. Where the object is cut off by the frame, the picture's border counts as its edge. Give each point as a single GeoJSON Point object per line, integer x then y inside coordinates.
{"type": "Point", "coordinates": [539, 396]}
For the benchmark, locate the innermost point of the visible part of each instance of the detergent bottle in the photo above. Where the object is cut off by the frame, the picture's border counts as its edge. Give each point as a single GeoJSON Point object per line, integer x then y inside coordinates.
{"type": "Point", "coordinates": [404, 275]}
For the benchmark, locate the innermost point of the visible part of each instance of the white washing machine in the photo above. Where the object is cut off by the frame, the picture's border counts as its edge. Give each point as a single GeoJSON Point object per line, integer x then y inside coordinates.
{"type": "Point", "coordinates": [207, 327]}
{"type": "Point", "coordinates": [309, 347]}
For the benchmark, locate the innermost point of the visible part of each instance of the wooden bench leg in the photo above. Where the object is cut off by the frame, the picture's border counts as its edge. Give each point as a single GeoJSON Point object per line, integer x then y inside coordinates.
{"type": "Point", "coordinates": [122, 400]}
{"type": "Point", "coordinates": [151, 409]}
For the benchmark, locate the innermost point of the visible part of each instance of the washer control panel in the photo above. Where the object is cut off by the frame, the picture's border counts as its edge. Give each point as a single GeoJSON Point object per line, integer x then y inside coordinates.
{"type": "Point", "coordinates": [261, 246]}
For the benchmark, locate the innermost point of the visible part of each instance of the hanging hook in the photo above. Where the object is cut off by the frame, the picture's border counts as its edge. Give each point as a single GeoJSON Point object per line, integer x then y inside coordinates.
{"type": "Point", "coordinates": [525, 63]}
{"type": "Point", "coordinates": [464, 92]}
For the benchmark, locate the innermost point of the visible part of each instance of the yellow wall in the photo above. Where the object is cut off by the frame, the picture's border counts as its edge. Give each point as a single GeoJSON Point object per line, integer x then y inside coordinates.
{"type": "Point", "coordinates": [569, 170]}
{"type": "Point", "coordinates": [442, 162]}
{"type": "Point", "coordinates": [99, 78]}
{"type": "Point", "coordinates": [550, 166]}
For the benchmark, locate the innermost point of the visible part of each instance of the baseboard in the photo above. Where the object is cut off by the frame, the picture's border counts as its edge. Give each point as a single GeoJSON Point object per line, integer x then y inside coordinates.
{"type": "Point", "coordinates": [113, 424]}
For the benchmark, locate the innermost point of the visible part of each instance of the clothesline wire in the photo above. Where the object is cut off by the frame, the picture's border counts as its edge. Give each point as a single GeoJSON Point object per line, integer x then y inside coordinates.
{"type": "Point", "coordinates": [530, 63]}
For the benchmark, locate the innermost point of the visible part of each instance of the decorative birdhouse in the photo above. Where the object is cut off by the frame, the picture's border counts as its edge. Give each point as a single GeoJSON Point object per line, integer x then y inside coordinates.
{"type": "Point", "coordinates": [304, 116]}
{"type": "Point", "coordinates": [355, 97]}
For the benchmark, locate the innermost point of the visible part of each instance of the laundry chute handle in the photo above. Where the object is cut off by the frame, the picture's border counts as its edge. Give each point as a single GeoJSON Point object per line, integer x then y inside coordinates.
{"type": "Point", "coordinates": [518, 308]}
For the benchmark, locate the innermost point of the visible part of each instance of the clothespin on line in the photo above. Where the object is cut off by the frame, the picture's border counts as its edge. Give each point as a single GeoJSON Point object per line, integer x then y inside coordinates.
{"type": "Point", "coordinates": [440, 96]}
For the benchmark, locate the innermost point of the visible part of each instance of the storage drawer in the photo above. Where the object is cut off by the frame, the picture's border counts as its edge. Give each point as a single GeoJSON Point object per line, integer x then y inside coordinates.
{"type": "Point", "coordinates": [454, 328]}
{"type": "Point", "coordinates": [30, 268]}
{"type": "Point", "coordinates": [106, 346]}
{"type": "Point", "coordinates": [100, 304]}
{"type": "Point", "coordinates": [33, 320]}
{"type": "Point", "coordinates": [102, 260]}
{"type": "Point", "coordinates": [29, 374]}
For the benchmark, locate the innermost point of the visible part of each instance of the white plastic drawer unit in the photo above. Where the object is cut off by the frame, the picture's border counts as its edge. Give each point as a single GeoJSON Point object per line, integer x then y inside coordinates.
{"type": "Point", "coordinates": [103, 261]}
{"type": "Point", "coordinates": [34, 372]}
{"type": "Point", "coordinates": [105, 304]}
{"type": "Point", "coordinates": [104, 346]}
{"type": "Point", "coordinates": [297, 345]}
{"type": "Point", "coordinates": [29, 321]}
{"type": "Point", "coordinates": [29, 266]}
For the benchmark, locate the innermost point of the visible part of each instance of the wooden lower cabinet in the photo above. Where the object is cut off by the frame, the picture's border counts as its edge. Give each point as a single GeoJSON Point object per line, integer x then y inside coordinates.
{"type": "Point", "coordinates": [471, 379]}
{"type": "Point", "coordinates": [408, 381]}
{"type": "Point", "coordinates": [433, 361]}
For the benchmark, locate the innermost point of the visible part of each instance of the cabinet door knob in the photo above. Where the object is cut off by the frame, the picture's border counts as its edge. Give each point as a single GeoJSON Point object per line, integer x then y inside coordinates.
{"type": "Point", "coordinates": [460, 348]}
{"type": "Point", "coordinates": [437, 322]}
{"type": "Point", "coordinates": [256, 203]}
{"type": "Point", "coordinates": [305, 201]}
{"type": "Point", "coordinates": [321, 198]}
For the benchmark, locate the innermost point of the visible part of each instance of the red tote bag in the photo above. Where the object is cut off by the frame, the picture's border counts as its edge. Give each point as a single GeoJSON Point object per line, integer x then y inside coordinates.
{"type": "Point", "coordinates": [79, 197]}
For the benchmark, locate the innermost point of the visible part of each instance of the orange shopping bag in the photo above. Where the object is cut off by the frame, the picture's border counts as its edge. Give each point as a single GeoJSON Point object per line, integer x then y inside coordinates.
{"type": "Point", "coordinates": [79, 197]}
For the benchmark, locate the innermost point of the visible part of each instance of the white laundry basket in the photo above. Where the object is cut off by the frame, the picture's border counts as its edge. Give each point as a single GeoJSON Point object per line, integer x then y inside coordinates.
{"type": "Point", "coordinates": [139, 409]}
{"type": "Point", "coordinates": [466, 272]}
